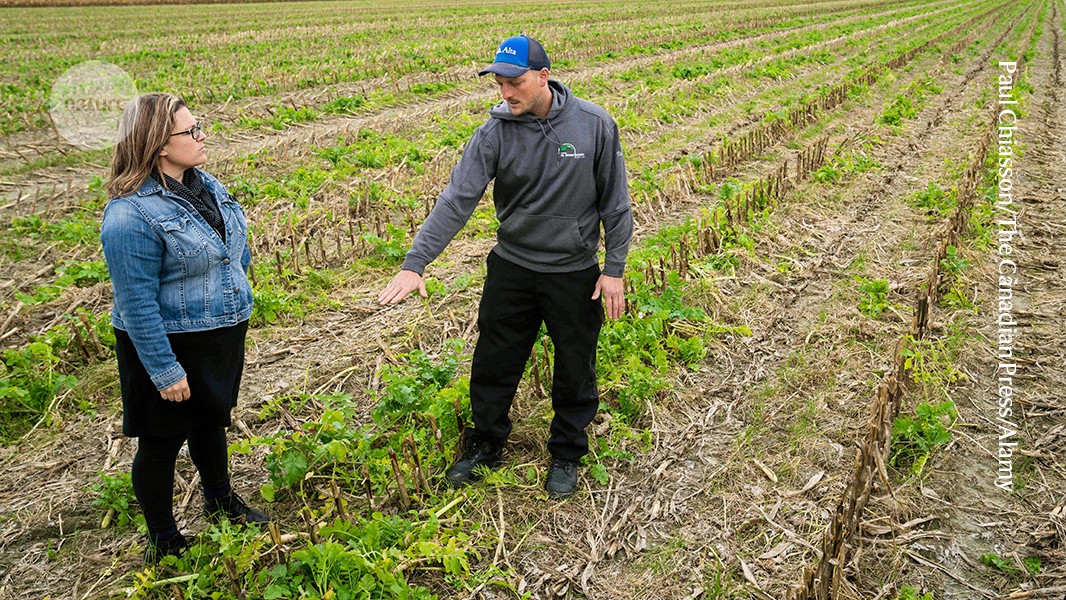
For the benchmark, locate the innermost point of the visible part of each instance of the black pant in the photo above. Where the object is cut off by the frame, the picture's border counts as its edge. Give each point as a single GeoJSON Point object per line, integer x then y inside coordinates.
{"type": "Point", "coordinates": [515, 302]}
{"type": "Point", "coordinates": [153, 473]}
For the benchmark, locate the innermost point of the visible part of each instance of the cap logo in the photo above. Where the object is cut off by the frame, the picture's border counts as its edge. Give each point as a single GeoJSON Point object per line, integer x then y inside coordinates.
{"type": "Point", "coordinates": [516, 55]}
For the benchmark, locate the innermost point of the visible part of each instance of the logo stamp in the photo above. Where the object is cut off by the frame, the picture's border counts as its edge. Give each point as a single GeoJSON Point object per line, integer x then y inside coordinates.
{"type": "Point", "coordinates": [86, 103]}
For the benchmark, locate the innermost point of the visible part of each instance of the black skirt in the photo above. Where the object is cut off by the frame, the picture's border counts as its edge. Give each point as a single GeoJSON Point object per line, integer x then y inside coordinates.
{"type": "Point", "coordinates": [213, 361]}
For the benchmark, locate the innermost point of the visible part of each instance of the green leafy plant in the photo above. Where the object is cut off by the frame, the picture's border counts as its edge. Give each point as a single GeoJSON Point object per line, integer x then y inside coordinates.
{"type": "Point", "coordinates": [915, 438]}
{"type": "Point", "coordinates": [114, 495]}
{"type": "Point", "coordinates": [931, 363]}
{"type": "Point", "coordinates": [1030, 564]}
{"type": "Point", "coordinates": [907, 103]}
{"type": "Point", "coordinates": [599, 473]}
{"type": "Point", "coordinates": [70, 273]}
{"type": "Point", "coordinates": [29, 380]}
{"type": "Point", "coordinates": [953, 263]}
{"type": "Point", "coordinates": [910, 593]}
{"type": "Point", "coordinates": [418, 384]}
{"type": "Point", "coordinates": [875, 300]}
{"type": "Point", "coordinates": [413, 393]}
{"type": "Point", "coordinates": [958, 298]}
{"type": "Point", "coordinates": [80, 338]}
{"type": "Point", "coordinates": [287, 294]}
{"type": "Point", "coordinates": [367, 558]}
{"type": "Point", "coordinates": [827, 174]}
{"type": "Point", "coordinates": [991, 559]}
{"type": "Point", "coordinates": [320, 447]}
{"type": "Point", "coordinates": [392, 248]}
{"type": "Point", "coordinates": [934, 200]}
{"type": "Point", "coordinates": [343, 104]}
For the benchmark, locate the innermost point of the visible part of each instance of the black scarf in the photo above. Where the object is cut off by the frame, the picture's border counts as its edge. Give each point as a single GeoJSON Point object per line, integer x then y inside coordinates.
{"type": "Point", "coordinates": [192, 189]}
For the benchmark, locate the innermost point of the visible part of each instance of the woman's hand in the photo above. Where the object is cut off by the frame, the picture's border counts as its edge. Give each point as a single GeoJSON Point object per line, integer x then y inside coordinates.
{"type": "Point", "coordinates": [179, 392]}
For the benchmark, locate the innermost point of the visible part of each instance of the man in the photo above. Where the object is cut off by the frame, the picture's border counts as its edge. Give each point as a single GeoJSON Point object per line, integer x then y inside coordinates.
{"type": "Point", "coordinates": [560, 174]}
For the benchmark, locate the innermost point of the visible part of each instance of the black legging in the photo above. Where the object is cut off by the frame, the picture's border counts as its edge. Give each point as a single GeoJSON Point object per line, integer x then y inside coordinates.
{"type": "Point", "coordinates": [153, 473]}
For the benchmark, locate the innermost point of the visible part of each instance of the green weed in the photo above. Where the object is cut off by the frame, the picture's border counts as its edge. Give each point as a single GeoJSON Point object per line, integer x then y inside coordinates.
{"type": "Point", "coordinates": [993, 560]}
{"type": "Point", "coordinates": [367, 558]}
{"type": "Point", "coordinates": [392, 248]}
{"type": "Point", "coordinates": [915, 438]}
{"type": "Point", "coordinates": [909, 102]}
{"type": "Point", "coordinates": [413, 393]}
{"type": "Point", "coordinates": [956, 296]}
{"type": "Point", "coordinates": [425, 89]}
{"type": "Point", "coordinates": [934, 200]}
{"type": "Point", "coordinates": [952, 263]}
{"type": "Point", "coordinates": [910, 593]}
{"type": "Point", "coordinates": [78, 273]}
{"type": "Point", "coordinates": [875, 300]}
{"type": "Point", "coordinates": [343, 105]}
{"type": "Point", "coordinates": [29, 380]}
{"type": "Point", "coordinates": [287, 294]}
{"type": "Point", "coordinates": [115, 493]}
{"type": "Point", "coordinates": [828, 174]}
{"type": "Point", "coordinates": [931, 364]}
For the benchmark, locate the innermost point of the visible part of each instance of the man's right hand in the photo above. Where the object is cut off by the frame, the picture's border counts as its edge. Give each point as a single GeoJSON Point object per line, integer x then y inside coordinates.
{"type": "Point", "coordinates": [401, 285]}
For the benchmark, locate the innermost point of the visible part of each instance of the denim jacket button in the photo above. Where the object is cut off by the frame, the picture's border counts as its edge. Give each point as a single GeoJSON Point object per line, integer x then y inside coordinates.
{"type": "Point", "coordinates": [225, 261]}
{"type": "Point", "coordinates": [236, 290]}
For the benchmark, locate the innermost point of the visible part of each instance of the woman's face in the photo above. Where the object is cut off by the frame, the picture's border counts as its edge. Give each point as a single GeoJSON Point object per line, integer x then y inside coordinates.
{"type": "Point", "coordinates": [185, 148]}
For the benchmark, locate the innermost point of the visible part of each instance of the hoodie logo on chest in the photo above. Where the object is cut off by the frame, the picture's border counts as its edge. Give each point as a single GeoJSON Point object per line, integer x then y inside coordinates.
{"type": "Point", "coordinates": [568, 151]}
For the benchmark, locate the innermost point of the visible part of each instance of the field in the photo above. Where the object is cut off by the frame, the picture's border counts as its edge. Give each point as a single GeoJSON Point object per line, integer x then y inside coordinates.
{"type": "Point", "coordinates": [839, 375]}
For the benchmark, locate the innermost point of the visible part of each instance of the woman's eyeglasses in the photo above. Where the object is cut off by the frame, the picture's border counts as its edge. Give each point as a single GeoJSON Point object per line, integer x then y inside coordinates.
{"type": "Point", "coordinates": [193, 132]}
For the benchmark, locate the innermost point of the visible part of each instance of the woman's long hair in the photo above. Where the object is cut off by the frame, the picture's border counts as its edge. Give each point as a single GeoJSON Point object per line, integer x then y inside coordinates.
{"type": "Point", "coordinates": [142, 132]}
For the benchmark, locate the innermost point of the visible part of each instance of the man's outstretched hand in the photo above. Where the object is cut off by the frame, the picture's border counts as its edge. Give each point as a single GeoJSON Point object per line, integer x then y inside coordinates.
{"type": "Point", "coordinates": [613, 291]}
{"type": "Point", "coordinates": [401, 285]}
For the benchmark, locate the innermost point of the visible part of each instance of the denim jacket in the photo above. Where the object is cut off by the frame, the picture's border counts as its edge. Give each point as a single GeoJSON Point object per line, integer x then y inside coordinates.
{"type": "Point", "coordinates": [171, 271]}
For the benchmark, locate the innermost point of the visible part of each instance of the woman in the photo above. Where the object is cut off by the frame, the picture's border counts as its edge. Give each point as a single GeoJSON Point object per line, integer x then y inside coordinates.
{"type": "Point", "coordinates": [176, 248]}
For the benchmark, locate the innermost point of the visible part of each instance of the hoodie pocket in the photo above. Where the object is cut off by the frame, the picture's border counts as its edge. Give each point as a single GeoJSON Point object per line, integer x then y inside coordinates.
{"type": "Point", "coordinates": [545, 236]}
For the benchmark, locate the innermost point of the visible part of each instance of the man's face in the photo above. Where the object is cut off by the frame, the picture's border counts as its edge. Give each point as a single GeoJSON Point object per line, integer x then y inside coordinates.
{"type": "Point", "coordinates": [525, 93]}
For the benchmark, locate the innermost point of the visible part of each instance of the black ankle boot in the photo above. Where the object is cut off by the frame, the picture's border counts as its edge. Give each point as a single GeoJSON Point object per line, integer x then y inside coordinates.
{"type": "Point", "coordinates": [174, 546]}
{"type": "Point", "coordinates": [476, 453]}
{"type": "Point", "coordinates": [232, 507]}
{"type": "Point", "coordinates": [562, 478]}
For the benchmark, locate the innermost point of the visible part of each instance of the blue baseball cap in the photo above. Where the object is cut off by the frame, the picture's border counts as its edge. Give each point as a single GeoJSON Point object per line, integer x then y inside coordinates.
{"type": "Point", "coordinates": [516, 55]}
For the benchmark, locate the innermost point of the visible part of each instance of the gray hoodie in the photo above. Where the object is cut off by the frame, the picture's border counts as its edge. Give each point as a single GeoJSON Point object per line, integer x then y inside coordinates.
{"type": "Point", "coordinates": [557, 180]}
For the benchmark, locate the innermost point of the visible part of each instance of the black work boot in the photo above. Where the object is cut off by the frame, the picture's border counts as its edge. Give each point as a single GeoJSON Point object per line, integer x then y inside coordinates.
{"type": "Point", "coordinates": [476, 453]}
{"type": "Point", "coordinates": [155, 551]}
{"type": "Point", "coordinates": [562, 478]}
{"type": "Point", "coordinates": [232, 507]}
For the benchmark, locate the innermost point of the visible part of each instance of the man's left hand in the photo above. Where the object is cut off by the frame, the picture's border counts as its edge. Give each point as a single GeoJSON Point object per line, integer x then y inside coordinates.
{"type": "Point", "coordinates": [613, 290]}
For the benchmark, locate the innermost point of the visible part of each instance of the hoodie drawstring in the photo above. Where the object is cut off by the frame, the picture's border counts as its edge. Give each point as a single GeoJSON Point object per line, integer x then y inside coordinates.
{"type": "Point", "coordinates": [545, 133]}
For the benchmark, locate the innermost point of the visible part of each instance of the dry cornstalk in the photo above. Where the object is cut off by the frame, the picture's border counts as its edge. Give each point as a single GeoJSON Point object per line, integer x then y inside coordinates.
{"type": "Point", "coordinates": [537, 387]}
{"type": "Point", "coordinates": [405, 500]}
{"type": "Point", "coordinates": [234, 578]}
{"type": "Point", "coordinates": [338, 501]}
{"type": "Point", "coordinates": [107, 518]}
{"type": "Point", "coordinates": [436, 434]}
{"type": "Point", "coordinates": [275, 536]}
{"type": "Point", "coordinates": [417, 460]}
